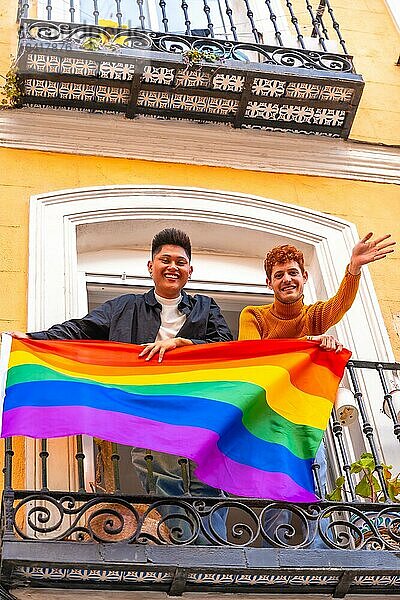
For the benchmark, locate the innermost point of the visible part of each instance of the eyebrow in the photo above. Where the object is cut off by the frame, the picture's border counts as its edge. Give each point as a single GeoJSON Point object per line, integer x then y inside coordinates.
{"type": "Point", "coordinates": [290, 269]}
{"type": "Point", "coordinates": [177, 258]}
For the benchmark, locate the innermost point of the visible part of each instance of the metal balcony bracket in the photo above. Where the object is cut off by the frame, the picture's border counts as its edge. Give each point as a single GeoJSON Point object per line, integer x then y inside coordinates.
{"type": "Point", "coordinates": [176, 570]}
{"type": "Point", "coordinates": [344, 584]}
{"type": "Point", "coordinates": [5, 595]}
{"type": "Point", "coordinates": [178, 582]}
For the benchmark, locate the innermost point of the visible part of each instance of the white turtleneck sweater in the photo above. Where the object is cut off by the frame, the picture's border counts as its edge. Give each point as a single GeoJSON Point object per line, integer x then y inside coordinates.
{"type": "Point", "coordinates": [172, 319]}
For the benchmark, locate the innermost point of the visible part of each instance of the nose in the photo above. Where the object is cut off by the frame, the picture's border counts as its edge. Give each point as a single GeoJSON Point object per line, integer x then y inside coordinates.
{"type": "Point", "coordinates": [287, 277]}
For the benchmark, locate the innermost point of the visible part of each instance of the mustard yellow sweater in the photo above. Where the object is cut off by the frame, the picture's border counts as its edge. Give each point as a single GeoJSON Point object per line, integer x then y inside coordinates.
{"type": "Point", "coordinates": [297, 320]}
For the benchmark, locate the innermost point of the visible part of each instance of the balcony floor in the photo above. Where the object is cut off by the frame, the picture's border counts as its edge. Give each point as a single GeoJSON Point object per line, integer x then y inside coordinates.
{"type": "Point", "coordinates": [194, 569]}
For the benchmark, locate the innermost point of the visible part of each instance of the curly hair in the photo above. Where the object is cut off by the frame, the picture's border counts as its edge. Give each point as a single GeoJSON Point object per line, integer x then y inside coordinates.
{"type": "Point", "coordinates": [171, 237]}
{"type": "Point", "coordinates": [282, 254]}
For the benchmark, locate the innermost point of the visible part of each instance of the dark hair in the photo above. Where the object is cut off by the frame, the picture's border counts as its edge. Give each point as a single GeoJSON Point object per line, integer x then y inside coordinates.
{"type": "Point", "coordinates": [280, 255]}
{"type": "Point", "coordinates": [172, 237]}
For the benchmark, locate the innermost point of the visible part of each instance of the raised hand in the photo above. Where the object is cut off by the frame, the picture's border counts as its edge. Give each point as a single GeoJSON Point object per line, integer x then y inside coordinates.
{"type": "Point", "coordinates": [368, 250]}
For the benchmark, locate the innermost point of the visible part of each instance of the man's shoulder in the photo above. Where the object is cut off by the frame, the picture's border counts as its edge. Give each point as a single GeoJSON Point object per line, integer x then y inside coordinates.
{"type": "Point", "coordinates": [314, 305]}
{"type": "Point", "coordinates": [200, 299]}
{"type": "Point", "coordinates": [257, 309]}
{"type": "Point", "coordinates": [126, 300]}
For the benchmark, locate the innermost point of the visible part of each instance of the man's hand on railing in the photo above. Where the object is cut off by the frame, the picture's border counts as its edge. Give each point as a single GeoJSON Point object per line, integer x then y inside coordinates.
{"type": "Point", "coordinates": [327, 342]}
{"type": "Point", "coordinates": [17, 334]}
{"type": "Point", "coordinates": [161, 347]}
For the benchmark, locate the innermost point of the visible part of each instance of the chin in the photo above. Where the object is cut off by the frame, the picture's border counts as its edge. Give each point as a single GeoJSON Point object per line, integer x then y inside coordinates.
{"type": "Point", "coordinates": [289, 299]}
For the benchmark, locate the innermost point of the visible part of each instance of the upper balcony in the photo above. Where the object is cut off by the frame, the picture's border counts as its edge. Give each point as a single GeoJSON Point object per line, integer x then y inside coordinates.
{"type": "Point", "coordinates": [277, 65]}
{"type": "Point", "coordinates": [81, 521]}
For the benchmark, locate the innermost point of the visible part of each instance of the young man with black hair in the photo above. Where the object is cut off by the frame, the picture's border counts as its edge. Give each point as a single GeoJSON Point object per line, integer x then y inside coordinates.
{"type": "Point", "coordinates": [161, 320]}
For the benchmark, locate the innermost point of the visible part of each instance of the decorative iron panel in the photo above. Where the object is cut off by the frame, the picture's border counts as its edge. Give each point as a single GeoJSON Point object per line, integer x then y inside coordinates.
{"type": "Point", "coordinates": [143, 72]}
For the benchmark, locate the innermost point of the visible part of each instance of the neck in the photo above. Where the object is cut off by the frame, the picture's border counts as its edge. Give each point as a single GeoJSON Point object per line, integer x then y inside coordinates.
{"type": "Point", "coordinates": [287, 310]}
{"type": "Point", "coordinates": [167, 297]}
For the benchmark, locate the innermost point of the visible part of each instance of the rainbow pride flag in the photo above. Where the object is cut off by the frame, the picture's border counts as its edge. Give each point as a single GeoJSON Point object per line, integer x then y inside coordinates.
{"type": "Point", "coordinates": [250, 414]}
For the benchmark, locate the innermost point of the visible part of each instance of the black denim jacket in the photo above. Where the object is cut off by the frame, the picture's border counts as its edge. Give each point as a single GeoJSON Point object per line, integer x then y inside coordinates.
{"type": "Point", "coordinates": [135, 319]}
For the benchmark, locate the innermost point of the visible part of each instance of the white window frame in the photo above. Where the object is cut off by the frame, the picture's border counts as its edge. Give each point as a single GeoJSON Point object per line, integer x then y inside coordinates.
{"type": "Point", "coordinates": [394, 9]}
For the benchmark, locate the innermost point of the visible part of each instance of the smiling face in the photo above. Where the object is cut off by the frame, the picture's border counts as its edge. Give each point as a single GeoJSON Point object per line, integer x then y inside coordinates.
{"type": "Point", "coordinates": [170, 269]}
{"type": "Point", "coordinates": [287, 281]}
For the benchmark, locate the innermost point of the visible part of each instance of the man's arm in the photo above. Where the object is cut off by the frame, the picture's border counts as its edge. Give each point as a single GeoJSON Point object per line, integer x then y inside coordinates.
{"type": "Point", "coordinates": [94, 326]}
{"type": "Point", "coordinates": [217, 328]}
{"type": "Point", "coordinates": [326, 314]}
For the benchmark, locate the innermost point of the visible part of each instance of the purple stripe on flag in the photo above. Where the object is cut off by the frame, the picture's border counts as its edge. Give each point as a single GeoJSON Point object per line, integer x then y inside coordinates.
{"type": "Point", "coordinates": [214, 468]}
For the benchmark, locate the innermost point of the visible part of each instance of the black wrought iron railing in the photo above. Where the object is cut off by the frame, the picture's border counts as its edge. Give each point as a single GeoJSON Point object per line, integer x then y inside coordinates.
{"type": "Point", "coordinates": [303, 24]}
{"type": "Point", "coordinates": [110, 505]}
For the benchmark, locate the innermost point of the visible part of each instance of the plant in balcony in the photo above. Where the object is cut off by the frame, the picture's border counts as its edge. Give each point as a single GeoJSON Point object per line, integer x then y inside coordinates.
{"type": "Point", "coordinates": [102, 41]}
{"type": "Point", "coordinates": [194, 56]}
{"type": "Point", "coordinates": [11, 91]}
{"type": "Point", "coordinates": [195, 59]}
{"type": "Point", "coordinates": [370, 488]}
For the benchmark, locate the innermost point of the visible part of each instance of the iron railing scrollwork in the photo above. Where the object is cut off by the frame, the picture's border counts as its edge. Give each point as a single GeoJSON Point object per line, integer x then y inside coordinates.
{"type": "Point", "coordinates": [67, 36]}
{"type": "Point", "coordinates": [181, 521]}
{"type": "Point", "coordinates": [289, 22]}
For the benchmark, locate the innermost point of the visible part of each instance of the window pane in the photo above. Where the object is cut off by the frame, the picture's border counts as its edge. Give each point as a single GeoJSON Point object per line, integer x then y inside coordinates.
{"type": "Point", "coordinates": [108, 11]}
{"type": "Point", "coordinates": [197, 17]}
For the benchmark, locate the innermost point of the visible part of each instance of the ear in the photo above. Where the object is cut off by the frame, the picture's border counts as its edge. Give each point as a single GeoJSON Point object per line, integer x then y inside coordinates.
{"type": "Point", "coordinates": [305, 276]}
{"type": "Point", "coordinates": [268, 282]}
{"type": "Point", "coordinates": [150, 266]}
{"type": "Point", "coordinates": [190, 271]}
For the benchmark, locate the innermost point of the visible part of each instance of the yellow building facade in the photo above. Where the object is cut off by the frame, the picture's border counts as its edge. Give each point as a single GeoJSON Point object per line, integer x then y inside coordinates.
{"type": "Point", "coordinates": [76, 187]}
{"type": "Point", "coordinates": [370, 202]}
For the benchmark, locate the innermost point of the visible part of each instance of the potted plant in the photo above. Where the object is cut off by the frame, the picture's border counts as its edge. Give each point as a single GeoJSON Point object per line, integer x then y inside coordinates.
{"type": "Point", "coordinates": [370, 488]}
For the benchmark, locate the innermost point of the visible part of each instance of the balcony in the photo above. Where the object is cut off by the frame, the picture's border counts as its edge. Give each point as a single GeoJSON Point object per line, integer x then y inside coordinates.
{"type": "Point", "coordinates": [92, 537]}
{"type": "Point", "coordinates": [275, 65]}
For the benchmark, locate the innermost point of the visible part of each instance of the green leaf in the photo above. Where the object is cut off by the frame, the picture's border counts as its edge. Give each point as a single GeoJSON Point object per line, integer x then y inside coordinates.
{"type": "Point", "coordinates": [366, 455]}
{"type": "Point", "coordinates": [368, 463]}
{"type": "Point", "coordinates": [363, 488]}
{"type": "Point", "coordinates": [376, 484]}
{"type": "Point", "coordinates": [393, 487]}
{"type": "Point", "coordinates": [356, 467]}
{"type": "Point", "coordinates": [335, 496]}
